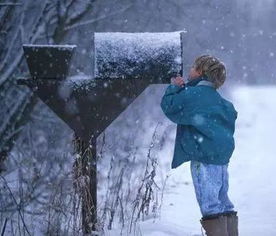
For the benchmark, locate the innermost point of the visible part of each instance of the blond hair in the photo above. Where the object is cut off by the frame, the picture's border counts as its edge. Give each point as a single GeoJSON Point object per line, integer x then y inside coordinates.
{"type": "Point", "coordinates": [212, 67]}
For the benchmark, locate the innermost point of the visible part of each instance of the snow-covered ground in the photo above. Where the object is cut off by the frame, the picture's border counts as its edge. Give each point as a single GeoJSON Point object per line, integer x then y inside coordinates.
{"type": "Point", "coordinates": [252, 172]}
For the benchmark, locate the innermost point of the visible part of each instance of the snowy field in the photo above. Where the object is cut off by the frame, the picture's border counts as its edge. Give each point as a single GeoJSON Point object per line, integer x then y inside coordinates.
{"type": "Point", "coordinates": [252, 172]}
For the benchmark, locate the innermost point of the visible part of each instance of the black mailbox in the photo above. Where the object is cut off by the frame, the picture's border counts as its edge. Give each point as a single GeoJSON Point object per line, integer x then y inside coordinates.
{"type": "Point", "coordinates": [124, 64]}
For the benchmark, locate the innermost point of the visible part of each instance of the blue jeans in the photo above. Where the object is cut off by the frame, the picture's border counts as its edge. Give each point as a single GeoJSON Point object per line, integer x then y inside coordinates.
{"type": "Point", "coordinates": [211, 186]}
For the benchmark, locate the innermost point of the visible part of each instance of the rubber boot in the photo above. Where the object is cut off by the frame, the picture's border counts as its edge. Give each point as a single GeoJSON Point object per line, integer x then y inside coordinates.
{"type": "Point", "coordinates": [232, 223]}
{"type": "Point", "coordinates": [215, 225]}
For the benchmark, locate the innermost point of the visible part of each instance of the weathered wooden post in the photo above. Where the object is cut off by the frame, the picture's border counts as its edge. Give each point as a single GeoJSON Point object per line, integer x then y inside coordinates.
{"type": "Point", "coordinates": [125, 64]}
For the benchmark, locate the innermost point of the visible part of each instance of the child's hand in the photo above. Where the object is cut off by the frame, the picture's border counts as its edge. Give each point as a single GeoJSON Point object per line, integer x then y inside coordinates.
{"type": "Point", "coordinates": [178, 81]}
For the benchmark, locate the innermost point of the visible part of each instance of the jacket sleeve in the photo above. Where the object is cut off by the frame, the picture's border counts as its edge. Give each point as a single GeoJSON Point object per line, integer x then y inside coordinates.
{"type": "Point", "coordinates": [177, 104]}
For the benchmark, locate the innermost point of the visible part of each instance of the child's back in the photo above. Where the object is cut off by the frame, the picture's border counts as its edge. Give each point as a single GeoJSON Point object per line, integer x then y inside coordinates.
{"type": "Point", "coordinates": [205, 122]}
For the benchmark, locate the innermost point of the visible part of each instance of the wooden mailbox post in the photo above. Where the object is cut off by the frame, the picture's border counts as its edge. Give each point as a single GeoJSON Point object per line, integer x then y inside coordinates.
{"type": "Point", "coordinates": [124, 64]}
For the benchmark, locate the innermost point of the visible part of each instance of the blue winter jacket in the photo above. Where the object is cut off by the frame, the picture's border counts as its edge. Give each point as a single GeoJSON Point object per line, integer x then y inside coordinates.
{"type": "Point", "coordinates": [205, 122]}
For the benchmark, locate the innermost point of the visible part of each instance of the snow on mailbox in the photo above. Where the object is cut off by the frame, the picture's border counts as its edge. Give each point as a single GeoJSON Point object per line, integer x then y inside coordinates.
{"type": "Point", "coordinates": [138, 55]}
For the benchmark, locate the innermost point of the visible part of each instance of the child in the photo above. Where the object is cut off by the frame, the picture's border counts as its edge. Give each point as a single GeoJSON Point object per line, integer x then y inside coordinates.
{"type": "Point", "coordinates": [204, 135]}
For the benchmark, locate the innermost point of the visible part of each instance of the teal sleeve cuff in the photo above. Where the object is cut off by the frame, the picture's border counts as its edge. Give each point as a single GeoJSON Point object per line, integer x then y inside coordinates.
{"type": "Point", "coordinates": [172, 89]}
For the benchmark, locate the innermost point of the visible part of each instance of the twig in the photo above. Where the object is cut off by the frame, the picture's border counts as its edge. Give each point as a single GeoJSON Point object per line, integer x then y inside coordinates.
{"type": "Point", "coordinates": [96, 19]}
{"type": "Point", "coordinates": [147, 182]}
{"type": "Point", "coordinates": [10, 4]}
{"type": "Point", "coordinates": [4, 227]}
{"type": "Point", "coordinates": [18, 207]}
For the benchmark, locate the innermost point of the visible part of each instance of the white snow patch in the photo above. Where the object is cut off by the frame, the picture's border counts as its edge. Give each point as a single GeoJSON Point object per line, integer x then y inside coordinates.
{"type": "Point", "coordinates": [119, 53]}
{"type": "Point", "coordinates": [251, 173]}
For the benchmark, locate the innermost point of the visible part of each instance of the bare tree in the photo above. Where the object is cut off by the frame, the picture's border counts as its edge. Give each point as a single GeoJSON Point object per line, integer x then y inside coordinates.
{"type": "Point", "coordinates": [49, 23]}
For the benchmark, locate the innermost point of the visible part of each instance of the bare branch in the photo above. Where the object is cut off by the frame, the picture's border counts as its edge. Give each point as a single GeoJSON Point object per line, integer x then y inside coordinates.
{"type": "Point", "coordinates": [70, 27]}
{"type": "Point", "coordinates": [10, 4]}
{"type": "Point", "coordinates": [18, 207]}
{"type": "Point", "coordinates": [79, 16]}
{"type": "Point", "coordinates": [12, 42]}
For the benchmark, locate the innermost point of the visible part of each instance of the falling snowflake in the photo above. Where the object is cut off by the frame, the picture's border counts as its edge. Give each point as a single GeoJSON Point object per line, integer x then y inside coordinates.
{"type": "Point", "coordinates": [198, 119]}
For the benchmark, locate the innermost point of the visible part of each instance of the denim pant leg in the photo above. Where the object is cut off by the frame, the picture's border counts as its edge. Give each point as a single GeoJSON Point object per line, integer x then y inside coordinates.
{"type": "Point", "coordinates": [223, 194]}
{"type": "Point", "coordinates": [211, 186]}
